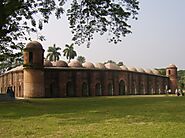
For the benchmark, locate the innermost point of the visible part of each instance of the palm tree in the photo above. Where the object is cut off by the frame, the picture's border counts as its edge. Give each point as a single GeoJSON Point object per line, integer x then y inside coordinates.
{"type": "Point", "coordinates": [53, 54]}
{"type": "Point", "coordinates": [69, 52]}
{"type": "Point", "coordinates": [81, 59]}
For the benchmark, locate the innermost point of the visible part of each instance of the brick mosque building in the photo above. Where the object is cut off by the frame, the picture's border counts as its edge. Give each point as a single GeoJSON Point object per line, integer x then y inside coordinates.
{"type": "Point", "coordinates": [39, 78]}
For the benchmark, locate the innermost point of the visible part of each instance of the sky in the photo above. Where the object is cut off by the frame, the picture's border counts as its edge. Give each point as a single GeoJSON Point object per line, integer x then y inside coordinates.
{"type": "Point", "coordinates": [157, 39]}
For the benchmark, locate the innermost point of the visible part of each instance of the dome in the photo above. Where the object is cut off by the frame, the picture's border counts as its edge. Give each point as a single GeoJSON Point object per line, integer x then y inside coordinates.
{"type": "Point", "coordinates": [123, 67]}
{"type": "Point", "coordinates": [171, 66]}
{"type": "Point", "coordinates": [34, 45]}
{"type": "Point", "coordinates": [132, 69]}
{"type": "Point", "coordinates": [99, 66]}
{"type": "Point", "coordinates": [112, 66]}
{"type": "Point", "coordinates": [48, 63]}
{"type": "Point", "coordinates": [88, 65]}
{"type": "Point", "coordinates": [141, 70]}
{"type": "Point", "coordinates": [149, 71]}
{"type": "Point", "coordinates": [54, 63]}
{"type": "Point", "coordinates": [156, 72]}
{"type": "Point", "coordinates": [61, 63]}
{"type": "Point", "coordinates": [74, 63]}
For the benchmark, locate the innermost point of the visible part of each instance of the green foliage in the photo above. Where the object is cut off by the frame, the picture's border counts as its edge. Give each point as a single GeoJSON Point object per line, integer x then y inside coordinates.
{"type": "Point", "coordinates": [81, 59]}
{"type": "Point", "coordinates": [162, 71]}
{"type": "Point", "coordinates": [110, 61]}
{"type": "Point", "coordinates": [181, 79]}
{"type": "Point", "coordinates": [19, 18]}
{"type": "Point", "coordinates": [69, 52]}
{"type": "Point", "coordinates": [100, 16]}
{"type": "Point", "coordinates": [120, 63]}
{"type": "Point", "coordinates": [10, 60]}
{"type": "Point", "coordinates": [53, 54]}
{"type": "Point", "coordinates": [120, 117]}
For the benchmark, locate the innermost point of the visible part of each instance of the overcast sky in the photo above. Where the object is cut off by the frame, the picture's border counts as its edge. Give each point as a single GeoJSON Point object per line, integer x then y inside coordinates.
{"type": "Point", "coordinates": [157, 39]}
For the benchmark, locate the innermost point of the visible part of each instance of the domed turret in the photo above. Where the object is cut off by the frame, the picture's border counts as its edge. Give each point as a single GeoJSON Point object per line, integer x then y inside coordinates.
{"type": "Point", "coordinates": [171, 72]}
{"type": "Point", "coordinates": [34, 55]}
{"type": "Point", "coordinates": [33, 70]}
{"type": "Point", "coordinates": [171, 66]}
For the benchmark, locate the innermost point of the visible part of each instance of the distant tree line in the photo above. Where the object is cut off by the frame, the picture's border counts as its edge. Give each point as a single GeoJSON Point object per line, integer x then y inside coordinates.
{"type": "Point", "coordinates": [181, 79]}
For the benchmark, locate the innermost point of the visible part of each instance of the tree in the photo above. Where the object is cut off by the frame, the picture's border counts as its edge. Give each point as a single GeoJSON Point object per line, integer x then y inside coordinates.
{"type": "Point", "coordinates": [19, 18]}
{"type": "Point", "coordinates": [162, 71]}
{"type": "Point", "coordinates": [110, 61]}
{"type": "Point", "coordinates": [181, 79]}
{"type": "Point", "coordinates": [69, 52]}
{"type": "Point", "coordinates": [53, 54]}
{"type": "Point", "coordinates": [81, 59]}
{"type": "Point", "coordinates": [9, 60]}
{"type": "Point", "coordinates": [181, 86]}
{"type": "Point", "coordinates": [120, 63]}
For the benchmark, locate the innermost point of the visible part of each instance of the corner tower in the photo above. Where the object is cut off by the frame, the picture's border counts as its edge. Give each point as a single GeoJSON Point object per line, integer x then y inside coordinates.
{"type": "Point", "coordinates": [171, 72]}
{"type": "Point", "coordinates": [33, 70]}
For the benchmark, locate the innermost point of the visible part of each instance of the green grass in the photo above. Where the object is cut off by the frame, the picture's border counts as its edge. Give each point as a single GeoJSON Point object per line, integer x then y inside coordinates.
{"type": "Point", "coordinates": [119, 117]}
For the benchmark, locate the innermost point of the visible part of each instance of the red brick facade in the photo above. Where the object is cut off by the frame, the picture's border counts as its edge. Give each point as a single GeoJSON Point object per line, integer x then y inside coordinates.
{"type": "Point", "coordinates": [37, 80]}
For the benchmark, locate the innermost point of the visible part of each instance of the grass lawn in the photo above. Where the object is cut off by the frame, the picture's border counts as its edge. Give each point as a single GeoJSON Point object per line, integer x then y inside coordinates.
{"type": "Point", "coordinates": [119, 117]}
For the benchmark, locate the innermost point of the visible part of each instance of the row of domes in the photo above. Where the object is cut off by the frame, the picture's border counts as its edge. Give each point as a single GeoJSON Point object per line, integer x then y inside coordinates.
{"type": "Point", "coordinates": [37, 46]}
{"type": "Point", "coordinates": [89, 65]}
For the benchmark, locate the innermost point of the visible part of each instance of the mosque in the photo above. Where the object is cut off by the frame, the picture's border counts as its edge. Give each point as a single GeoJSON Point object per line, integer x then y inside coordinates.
{"type": "Point", "coordinates": [39, 78]}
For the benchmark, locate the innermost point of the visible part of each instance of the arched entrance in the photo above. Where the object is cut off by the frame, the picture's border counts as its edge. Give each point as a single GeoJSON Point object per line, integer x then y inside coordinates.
{"type": "Point", "coordinates": [141, 88]}
{"type": "Point", "coordinates": [85, 89]}
{"type": "Point", "coordinates": [121, 87]}
{"type": "Point", "coordinates": [110, 89]}
{"type": "Point", "coordinates": [98, 89]}
{"type": "Point", "coordinates": [53, 90]}
{"type": "Point", "coordinates": [70, 89]}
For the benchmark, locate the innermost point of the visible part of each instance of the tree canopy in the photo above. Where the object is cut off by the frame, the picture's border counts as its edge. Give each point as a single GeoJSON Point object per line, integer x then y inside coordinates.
{"type": "Point", "coordinates": [53, 54]}
{"type": "Point", "coordinates": [89, 16]}
{"type": "Point", "coordinates": [81, 59]}
{"type": "Point", "coordinates": [69, 52]}
{"type": "Point", "coordinates": [20, 18]}
{"type": "Point", "coordinates": [181, 79]}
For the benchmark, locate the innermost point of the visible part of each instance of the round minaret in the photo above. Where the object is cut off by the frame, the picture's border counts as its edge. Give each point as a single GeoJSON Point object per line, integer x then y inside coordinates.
{"type": "Point", "coordinates": [171, 72]}
{"type": "Point", "coordinates": [33, 70]}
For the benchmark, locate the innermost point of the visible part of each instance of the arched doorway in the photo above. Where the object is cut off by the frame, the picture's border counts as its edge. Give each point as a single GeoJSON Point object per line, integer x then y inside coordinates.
{"type": "Point", "coordinates": [19, 91]}
{"type": "Point", "coordinates": [85, 89]}
{"type": "Point", "coordinates": [110, 89]}
{"type": "Point", "coordinates": [70, 89]}
{"type": "Point", "coordinates": [121, 87]}
{"type": "Point", "coordinates": [98, 89]}
{"type": "Point", "coordinates": [141, 88]}
{"type": "Point", "coordinates": [53, 90]}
